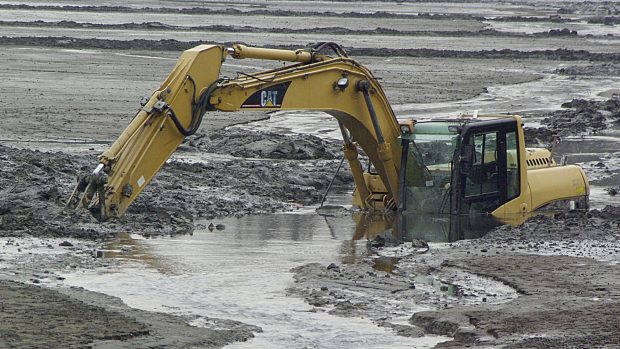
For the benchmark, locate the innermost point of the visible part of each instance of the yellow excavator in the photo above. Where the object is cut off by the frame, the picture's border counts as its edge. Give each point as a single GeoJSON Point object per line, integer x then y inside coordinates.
{"type": "Point", "coordinates": [457, 166]}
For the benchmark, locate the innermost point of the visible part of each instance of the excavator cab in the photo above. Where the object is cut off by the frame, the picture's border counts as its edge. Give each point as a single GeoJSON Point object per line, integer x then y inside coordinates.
{"type": "Point", "coordinates": [461, 177]}
{"type": "Point", "coordinates": [455, 173]}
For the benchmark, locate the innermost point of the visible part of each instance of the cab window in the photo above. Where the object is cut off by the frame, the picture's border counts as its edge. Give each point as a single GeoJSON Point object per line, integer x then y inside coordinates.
{"type": "Point", "coordinates": [513, 187]}
{"type": "Point", "coordinates": [483, 177]}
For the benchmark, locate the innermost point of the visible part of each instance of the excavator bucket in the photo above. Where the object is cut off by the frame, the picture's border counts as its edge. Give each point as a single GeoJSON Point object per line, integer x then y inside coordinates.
{"type": "Point", "coordinates": [173, 112]}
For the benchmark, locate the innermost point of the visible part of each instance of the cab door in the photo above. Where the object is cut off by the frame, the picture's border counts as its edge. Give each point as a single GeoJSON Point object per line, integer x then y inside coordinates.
{"type": "Point", "coordinates": [483, 182]}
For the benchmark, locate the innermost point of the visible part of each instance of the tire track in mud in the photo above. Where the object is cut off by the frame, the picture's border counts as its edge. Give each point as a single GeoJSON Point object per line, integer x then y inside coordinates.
{"type": "Point", "coordinates": [176, 45]}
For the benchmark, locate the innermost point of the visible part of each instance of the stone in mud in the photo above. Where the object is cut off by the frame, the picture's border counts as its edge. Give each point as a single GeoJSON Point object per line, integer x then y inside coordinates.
{"type": "Point", "coordinates": [333, 267]}
{"type": "Point", "coordinates": [65, 244]}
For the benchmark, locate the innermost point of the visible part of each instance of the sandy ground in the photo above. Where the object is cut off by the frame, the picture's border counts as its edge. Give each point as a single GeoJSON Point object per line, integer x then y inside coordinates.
{"type": "Point", "coordinates": [72, 78]}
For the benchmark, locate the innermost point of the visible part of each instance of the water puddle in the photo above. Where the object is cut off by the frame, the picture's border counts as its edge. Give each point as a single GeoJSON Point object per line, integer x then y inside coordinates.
{"type": "Point", "coordinates": [240, 272]}
{"type": "Point", "coordinates": [545, 94]}
{"type": "Point", "coordinates": [440, 286]}
{"type": "Point", "coordinates": [582, 28]}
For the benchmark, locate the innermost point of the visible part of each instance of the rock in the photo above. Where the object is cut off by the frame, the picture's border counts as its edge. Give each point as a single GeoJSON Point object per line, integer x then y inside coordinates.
{"type": "Point", "coordinates": [65, 244]}
{"type": "Point", "coordinates": [333, 267]}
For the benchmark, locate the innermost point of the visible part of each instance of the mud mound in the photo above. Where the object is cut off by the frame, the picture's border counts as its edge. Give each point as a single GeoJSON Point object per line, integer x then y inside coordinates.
{"type": "Point", "coordinates": [578, 226]}
{"type": "Point", "coordinates": [604, 69]}
{"type": "Point", "coordinates": [36, 185]}
{"type": "Point", "coordinates": [82, 324]}
{"type": "Point", "coordinates": [578, 117]}
{"type": "Point", "coordinates": [583, 116]}
{"type": "Point", "coordinates": [175, 45]}
{"type": "Point", "coordinates": [266, 145]}
{"type": "Point", "coordinates": [316, 30]}
{"type": "Point", "coordinates": [233, 11]}
{"type": "Point", "coordinates": [539, 137]}
{"type": "Point", "coordinates": [540, 260]}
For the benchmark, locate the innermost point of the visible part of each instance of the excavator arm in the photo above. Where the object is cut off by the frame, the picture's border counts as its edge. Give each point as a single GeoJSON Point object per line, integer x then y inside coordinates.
{"type": "Point", "coordinates": [338, 85]}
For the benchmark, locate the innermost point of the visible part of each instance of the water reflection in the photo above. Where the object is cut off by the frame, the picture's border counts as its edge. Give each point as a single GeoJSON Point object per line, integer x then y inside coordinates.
{"type": "Point", "coordinates": [130, 248]}
{"type": "Point", "coordinates": [305, 233]}
{"type": "Point", "coordinates": [242, 273]}
{"type": "Point", "coordinates": [426, 227]}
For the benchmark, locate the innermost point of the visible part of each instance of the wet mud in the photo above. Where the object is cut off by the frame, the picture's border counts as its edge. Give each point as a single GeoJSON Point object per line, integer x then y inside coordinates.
{"type": "Point", "coordinates": [564, 270]}
{"type": "Point", "coordinates": [604, 11]}
{"type": "Point", "coordinates": [551, 282]}
{"type": "Point", "coordinates": [43, 317]}
{"type": "Point", "coordinates": [559, 54]}
{"type": "Point", "coordinates": [264, 145]}
{"type": "Point", "coordinates": [317, 30]}
{"type": "Point", "coordinates": [37, 184]}
{"type": "Point", "coordinates": [577, 118]}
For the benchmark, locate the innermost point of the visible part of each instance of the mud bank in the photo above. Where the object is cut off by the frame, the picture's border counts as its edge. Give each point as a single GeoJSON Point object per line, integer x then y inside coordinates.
{"type": "Point", "coordinates": [541, 261]}
{"type": "Point", "coordinates": [35, 186]}
{"type": "Point", "coordinates": [602, 12]}
{"type": "Point", "coordinates": [514, 288]}
{"type": "Point", "coordinates": [175, 45]}
{"type": "Point", "coordinates": [57, 317]}
{"type": "Point", "coordinates": [578, 117]}
{"type": "Point", "coordinates": [316, 30]}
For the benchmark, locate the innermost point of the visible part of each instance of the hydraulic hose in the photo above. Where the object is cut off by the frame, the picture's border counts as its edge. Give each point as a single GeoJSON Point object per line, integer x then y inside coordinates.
{"type": "Point", "coordinates": [199, 108]}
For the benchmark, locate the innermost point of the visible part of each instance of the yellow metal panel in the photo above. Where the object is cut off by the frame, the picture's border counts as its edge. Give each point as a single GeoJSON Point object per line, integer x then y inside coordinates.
{"type": "Point", "coordinates": [152, 137]}
{"type": "Point", "coordinates": [557, 183]}
{"type": "Point", "coordinates": [313, 87]}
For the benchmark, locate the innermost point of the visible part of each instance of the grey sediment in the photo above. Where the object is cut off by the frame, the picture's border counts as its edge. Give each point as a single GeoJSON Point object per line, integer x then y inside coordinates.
{"type": "Point", "coordinates": [316, 30]}
{"type": "Point", "coordinates": [176, 45]}
{"type": "Point", "coordinates": [610, 18]}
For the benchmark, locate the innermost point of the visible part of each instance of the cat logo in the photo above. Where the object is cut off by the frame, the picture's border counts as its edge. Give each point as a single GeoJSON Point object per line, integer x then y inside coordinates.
{"type": "Point", "coordinates": [269, 97]}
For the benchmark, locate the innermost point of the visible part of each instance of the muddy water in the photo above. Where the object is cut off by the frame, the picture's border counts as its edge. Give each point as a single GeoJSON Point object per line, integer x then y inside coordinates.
{"type": "Point", "coordinates": [545, 94]}
{"type": "Point", "coordinates": [241, 272]}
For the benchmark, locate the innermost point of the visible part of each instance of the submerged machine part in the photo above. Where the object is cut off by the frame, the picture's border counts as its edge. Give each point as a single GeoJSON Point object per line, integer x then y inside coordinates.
{"type": "Point", "coordinates": [466, 165]}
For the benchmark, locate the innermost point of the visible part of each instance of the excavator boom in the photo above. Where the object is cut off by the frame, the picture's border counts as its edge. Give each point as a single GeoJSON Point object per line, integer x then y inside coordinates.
{"type": "Point", "coordinates": [337, 85]}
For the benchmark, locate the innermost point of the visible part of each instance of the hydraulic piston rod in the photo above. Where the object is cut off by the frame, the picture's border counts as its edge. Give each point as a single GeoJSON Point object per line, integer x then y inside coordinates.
{"type": "Point", "coordinates": [241, 51]}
